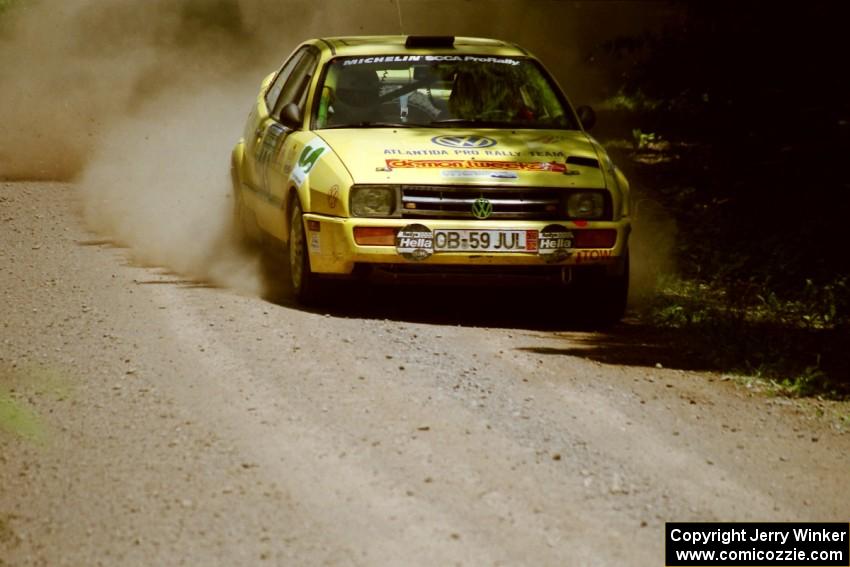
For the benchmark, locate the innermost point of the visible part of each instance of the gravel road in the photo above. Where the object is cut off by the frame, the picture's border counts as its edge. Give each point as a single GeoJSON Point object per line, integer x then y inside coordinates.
{"type": "Point", "coordinates": [150, 419]}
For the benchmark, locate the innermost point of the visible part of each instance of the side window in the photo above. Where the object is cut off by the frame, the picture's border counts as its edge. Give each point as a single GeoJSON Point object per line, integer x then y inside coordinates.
{"type": "Point", "coordinates": [273, 94]}
{"type": "Point", "coordinates": [296, 88]}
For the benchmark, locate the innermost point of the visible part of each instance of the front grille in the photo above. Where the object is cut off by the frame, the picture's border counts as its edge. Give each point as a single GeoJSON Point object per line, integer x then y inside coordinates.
{"type": "Point", "coordinates": [456, 202]}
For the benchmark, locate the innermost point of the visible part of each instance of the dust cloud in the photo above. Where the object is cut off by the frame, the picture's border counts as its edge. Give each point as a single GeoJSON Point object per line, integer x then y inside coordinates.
{"type": "Point", "coordinates": [140, 102]}
{"type": "Point", "coordinates": [651, 249]}
{"type": "Point", "coordinates": [156, 184]}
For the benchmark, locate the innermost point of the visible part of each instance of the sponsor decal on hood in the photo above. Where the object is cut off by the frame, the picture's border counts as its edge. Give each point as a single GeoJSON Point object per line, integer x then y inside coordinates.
{"type": "Point", "coordinates": [554, 167]}
{"type": "Point", "coordinates": [423, 155]}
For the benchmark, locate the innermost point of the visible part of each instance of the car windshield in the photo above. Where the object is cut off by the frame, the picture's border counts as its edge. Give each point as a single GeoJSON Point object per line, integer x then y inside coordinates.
{"type": "Point", "coordinates": [445, 91]}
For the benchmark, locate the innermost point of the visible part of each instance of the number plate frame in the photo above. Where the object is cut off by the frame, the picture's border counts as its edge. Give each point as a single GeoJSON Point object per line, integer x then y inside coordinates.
{"type": "Point", "coordinates": [489, 241]}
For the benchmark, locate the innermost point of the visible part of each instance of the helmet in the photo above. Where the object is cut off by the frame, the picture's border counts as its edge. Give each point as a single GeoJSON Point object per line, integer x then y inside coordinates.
{"type": "Point", "coordinates": [358, 86]}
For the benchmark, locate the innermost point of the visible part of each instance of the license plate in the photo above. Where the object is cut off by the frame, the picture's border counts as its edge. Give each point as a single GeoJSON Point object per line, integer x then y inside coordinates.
{"type": "Point", "coordinates": [485, 241]}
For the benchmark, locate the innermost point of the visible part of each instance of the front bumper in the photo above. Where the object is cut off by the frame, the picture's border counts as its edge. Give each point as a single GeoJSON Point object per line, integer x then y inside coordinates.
{"type": "Point", "coordinates": [333, 250]}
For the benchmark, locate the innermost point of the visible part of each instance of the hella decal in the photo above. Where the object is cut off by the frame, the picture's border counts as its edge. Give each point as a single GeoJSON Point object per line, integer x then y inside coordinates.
{"type": "Point", "coordinates": [415, 242]}
{"type": "Point", "coordinates": [555, 243]}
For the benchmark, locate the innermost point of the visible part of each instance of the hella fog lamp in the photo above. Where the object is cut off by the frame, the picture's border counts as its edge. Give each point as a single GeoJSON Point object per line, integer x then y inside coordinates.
{"type": "Point", "coordinates": [372, 201]}
{"type": "Point", "coordinates": [586, 205]}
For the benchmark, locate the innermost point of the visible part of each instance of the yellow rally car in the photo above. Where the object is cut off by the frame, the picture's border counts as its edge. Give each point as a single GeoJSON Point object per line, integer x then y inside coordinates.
{"type": "Point", "coordinates": [431, 156]}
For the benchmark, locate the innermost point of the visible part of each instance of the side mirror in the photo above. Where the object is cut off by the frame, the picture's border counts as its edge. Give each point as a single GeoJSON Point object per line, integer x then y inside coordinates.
{"type": "Point", "coordinates": [587, 116]}
{"type": "Point", "coordinates": [291, 117]}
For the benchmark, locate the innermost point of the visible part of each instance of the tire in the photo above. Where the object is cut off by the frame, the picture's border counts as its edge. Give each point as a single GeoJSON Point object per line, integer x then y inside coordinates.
{"type": "Point", "coordinates": [601, 299]}
{"type": "Point", "coordinates": [307, 288]}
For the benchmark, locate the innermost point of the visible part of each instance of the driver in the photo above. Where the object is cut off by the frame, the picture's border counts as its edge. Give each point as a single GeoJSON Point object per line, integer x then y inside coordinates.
{"type": "Point", "coordinates": [357, 96]}
{"type": "Point", "coordinates": [480, 96]}
{"type": "Point", "coordinates": [466, 100]}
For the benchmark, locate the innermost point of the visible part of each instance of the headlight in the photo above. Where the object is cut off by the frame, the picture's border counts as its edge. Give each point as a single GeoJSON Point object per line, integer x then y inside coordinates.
{"type": "Point", "coordinates": [586, 205]}
{"type": "Point", "coordinates": [372, 201]}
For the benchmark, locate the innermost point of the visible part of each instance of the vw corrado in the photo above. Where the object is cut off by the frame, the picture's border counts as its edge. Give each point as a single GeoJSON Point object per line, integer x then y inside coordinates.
{"type": "Point", "coordinates": [431, 156]}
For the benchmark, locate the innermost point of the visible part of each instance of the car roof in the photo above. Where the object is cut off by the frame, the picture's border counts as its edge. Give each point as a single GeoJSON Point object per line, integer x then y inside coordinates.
{"type": "Point", "coordinates": [395, 44]}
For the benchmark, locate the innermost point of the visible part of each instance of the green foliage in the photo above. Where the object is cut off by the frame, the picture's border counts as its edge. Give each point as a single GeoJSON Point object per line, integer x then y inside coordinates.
{"type": "Point", "coordinates": [29, 383]}
{"type": "Point", "coordinates": [811, 382]}
{"type": "Point", "coordinates": [5, 5]}
{"type": "Point", "coordinates": [823, 306]}
{"type": "Point", "coordinates": [798, 345]}
{"type": "Point", "coordinates": [635, 101]}
{"type": "Point", "coordinates": [642, 139]}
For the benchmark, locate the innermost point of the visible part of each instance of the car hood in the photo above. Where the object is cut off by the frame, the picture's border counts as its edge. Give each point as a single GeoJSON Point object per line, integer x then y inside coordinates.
{"type": "Point", "coordinates": [543, 158]}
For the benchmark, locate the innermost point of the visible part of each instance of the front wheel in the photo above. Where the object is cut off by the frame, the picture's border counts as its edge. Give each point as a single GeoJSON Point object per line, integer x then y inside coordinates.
{"type": "Point", "coordinates": [601, 298]}
{"type": "Point", "coordinates": [307, 287]}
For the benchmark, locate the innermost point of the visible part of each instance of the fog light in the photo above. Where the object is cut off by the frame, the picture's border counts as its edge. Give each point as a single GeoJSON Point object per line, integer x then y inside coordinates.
{"type": "Point", "coordinates": [374, 235]}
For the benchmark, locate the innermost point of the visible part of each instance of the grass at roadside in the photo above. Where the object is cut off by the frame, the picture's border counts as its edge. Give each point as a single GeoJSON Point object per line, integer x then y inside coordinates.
{"type": "Point", "coordinates": [789, 345]}
{"type": "Point", "coordinates": [24, 386]}
{"type": "Point", "coordinates": [6, 4]}
{"type": "Point", "coordinates": [17, 419]}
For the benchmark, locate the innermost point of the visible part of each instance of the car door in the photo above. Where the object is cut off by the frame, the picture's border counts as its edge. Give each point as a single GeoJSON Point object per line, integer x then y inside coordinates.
{"type": "Point", "coordinates": [278, 155]}
{"type": "Point", "coordinates": [257, 149]}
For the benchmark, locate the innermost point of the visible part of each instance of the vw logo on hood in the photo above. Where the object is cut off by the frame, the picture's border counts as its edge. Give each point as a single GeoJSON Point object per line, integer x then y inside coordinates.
{"type": "Point", "coordinates": [464, 141]}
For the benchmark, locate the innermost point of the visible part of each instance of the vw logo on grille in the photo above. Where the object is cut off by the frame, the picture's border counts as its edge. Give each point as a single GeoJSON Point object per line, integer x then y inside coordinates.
{"type": "Point", "coordinates": [482, 208]}
{"type": "Point", "coordinates": [468, 142]}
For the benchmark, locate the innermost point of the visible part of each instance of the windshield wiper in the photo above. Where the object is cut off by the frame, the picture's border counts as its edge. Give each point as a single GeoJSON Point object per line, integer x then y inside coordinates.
{"type": "Point", "coordinates": [465, 122]}
{"type": "Point", "coordinates": [454, 121]}
{"type": "Point", "coordinates": [370, 124]}
{"type": "Point", "coordinates": [473, 123]}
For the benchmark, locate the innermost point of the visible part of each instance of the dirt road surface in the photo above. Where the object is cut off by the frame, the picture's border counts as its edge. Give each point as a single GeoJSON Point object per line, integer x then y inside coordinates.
{"type": "Point", "coordinates": [148, 419]}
